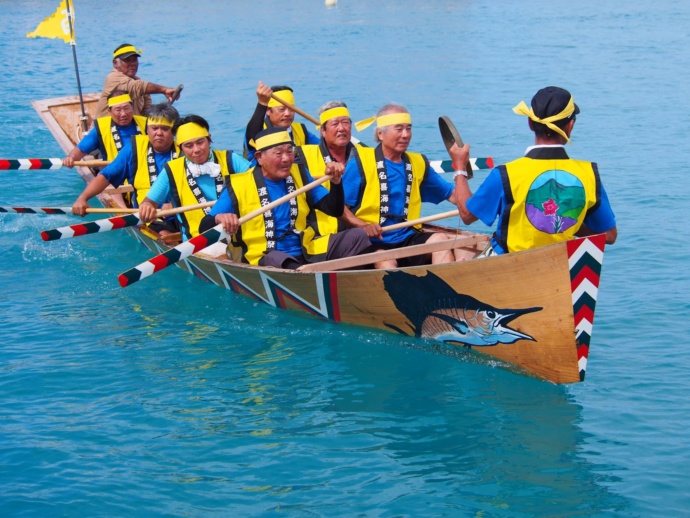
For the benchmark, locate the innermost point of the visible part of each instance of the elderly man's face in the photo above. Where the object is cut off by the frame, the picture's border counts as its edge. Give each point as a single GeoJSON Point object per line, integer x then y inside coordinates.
{"type": "Point", "coordinates": [197, 150]}
{"type": "Point", "coordinates": [276, 162]}
{"type": "Point", "coordinates": [161, 137]}
{"type": "Point", "coordinates": [396, 139]}
{"type": "Point", "coordinates": [122, 114]}
{"type": "Point", "coordinates": [337, 132]}
{"type": "Point", "coordinates": [281, 116]}
{"type": "Point", "coordinates": [127, 66]}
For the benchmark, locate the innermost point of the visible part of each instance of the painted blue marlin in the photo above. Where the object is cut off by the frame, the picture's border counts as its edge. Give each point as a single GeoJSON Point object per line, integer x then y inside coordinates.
{"type": "Point", "coordinates": [436, 311]}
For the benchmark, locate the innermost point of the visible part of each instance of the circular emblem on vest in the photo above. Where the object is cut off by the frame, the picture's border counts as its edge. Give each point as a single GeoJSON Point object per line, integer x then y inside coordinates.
{"type": "Point", "coordinates": [555, 201]}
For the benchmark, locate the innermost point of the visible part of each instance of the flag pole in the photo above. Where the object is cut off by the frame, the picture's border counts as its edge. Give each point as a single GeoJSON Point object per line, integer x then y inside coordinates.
{"type": "Point", "coordinates": [73, 44]}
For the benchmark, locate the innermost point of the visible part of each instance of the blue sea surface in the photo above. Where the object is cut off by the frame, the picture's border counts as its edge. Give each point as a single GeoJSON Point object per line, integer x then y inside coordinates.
{"type": "Point", "coordinates": [176, 398]}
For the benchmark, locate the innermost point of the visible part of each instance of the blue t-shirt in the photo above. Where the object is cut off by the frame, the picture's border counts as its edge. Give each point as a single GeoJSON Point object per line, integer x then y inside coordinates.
{"type": "Point", "coordinates": [489, 201]}
{"type": "Point", "coordinates": [433, 189]}
{"type": "Point", "coordinates": [91, 142]}
{"type": "Point", "coordinates": [291, 243]}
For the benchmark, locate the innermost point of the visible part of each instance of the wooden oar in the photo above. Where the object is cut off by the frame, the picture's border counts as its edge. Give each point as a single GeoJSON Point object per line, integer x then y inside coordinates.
{"type": "Point", "coordinates": [176, 93]}
{"type": "Point", "coordinates": [306, 115]}
{"type": "Point", "coordinates": [116, 223]}
{"type": "Point", "coordinates": [397, 253]}
{"type": "Point", "coordinates": [203, 240]}
{"type": "Point", "coordinates": [14, 164]}
{"type": "Point", "coordinates": [440, 166]}
{"type": "Point", "coordinates": [63, 210]}
{"type": "Point", "coordinates": [296, 109]}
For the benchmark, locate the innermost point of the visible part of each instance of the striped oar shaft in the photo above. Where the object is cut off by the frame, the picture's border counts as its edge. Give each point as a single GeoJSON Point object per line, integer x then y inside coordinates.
{"type": "Point", "coordinates": [7, 164]}
{"type": "Point", "coordinates": [446, 166]}
{"type": "Point", "coordinates": [172, 256]}
{"type": "Point", "coordinates": [15, 164]}
{"type": "Point", "coordinates": [92, 227]}
{"type": "Point", "coordinates": [36, 210]}
{"type": "Point", "coordinates": [204, 240]}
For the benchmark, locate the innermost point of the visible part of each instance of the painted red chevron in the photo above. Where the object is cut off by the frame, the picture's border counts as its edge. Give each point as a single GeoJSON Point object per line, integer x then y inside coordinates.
{"type": "Point", "coordinates": [586, 273]}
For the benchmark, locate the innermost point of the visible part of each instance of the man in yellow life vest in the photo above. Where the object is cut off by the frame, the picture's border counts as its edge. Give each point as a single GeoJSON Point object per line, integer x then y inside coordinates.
{"type": "Point", "coordinates": [387, 185]}
{"type": "Point", "coordinates": [335, 146]}
{"type": "Point", "coordinates": [287, 236]}
{"type": "Point", "coordinates": [139, 164]}
{"type": "Point", "coordinates": [545, 197]}
{"type": "Point", "coordinates": [270, 113]}
{"type": "Point", "coordinates": [123, 76]}
{"type": "Point", "coordinates": [110, 133]}
{"type": "Point", "coordinates": [197, 177]}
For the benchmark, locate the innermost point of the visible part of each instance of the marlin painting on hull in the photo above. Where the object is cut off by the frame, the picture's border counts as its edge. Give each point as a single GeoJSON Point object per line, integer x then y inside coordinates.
{"type": "Point", "coordinates": [436, 311]}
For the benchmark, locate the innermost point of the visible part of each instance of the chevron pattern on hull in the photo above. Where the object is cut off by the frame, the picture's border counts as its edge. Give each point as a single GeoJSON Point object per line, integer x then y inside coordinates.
{"type": "Point", "coordinates": [585, 258]}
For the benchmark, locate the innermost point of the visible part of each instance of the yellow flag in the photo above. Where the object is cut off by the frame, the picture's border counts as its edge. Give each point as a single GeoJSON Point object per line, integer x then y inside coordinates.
{"type": "Point", "coordinates": [55, 26]}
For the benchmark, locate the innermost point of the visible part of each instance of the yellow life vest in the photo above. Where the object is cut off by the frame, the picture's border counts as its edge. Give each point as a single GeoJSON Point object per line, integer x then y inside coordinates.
{"type": "Point", "coordinates": [105, 134]}
{"type": "Point", "coordinates": [252, 237]}
{"type": "Point", "coordinates": [181, 194]}
{"type": "Point", "coordinates": [140, 165]}
{"type": "Point", "coordinates": [369, 207]}
{"type": "Point", "coordinates": [546, 201]}
{"type": "Point", "coordinates": [312, 156]}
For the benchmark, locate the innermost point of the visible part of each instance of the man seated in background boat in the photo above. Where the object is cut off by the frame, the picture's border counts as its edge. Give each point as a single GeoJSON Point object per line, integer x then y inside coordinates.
{"type": "Point", "coordinates": [139, 164]}
{"type": "Point", "coordinates": [124, 77]}
{"type": "Point", "coordinates": [110, 133]}
{"type": "Point", "coordinates": [544, 197]}
{"type": "Point", "coordinates": [387, 185]}
{"type": "Point", "coordinates": [197, 177]}
{"type": "Point", "coordinates": [288, 235]}
{"type": "Point", "coordinates": [270, 113]}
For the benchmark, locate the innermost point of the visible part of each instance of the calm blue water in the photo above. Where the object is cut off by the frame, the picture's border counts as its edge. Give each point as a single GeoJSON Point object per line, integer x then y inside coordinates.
{"type": "Point", "coordinates": [173, 397]}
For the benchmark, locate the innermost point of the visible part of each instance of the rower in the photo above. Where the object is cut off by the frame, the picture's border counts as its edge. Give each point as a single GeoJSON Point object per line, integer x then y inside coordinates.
{"type": "Point", "coordinates": [286, 236]}
{"type": "Point", "coordinates": [124, 77]}
{"type": "Point", "coordinates": [270, 113]}
{"type": "Point", "coordinates": [110, 133]}
{"type": "Point", "coordinates": [139, 164]}
{"type": "Point", "coordinates": [387, 185]}
{"type": "Point", "coordinates": [197, 177]}
{"type": "Point", "coordinates": [335, 146]}
{"type": "Point", "coordinates": [530, 213]}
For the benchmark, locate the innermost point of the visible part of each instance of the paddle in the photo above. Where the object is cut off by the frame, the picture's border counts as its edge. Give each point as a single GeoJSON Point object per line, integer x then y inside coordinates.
{"type": "Point", "coordinates": [14, 164]}
{"type": "Point", "coordinates": [306, 115]}
{"type": "Point", "coordinates": [62, 210]}
{"type": "Point", "coordinates": [451, 136]}
{"type": "Point", "coordinates": [116, 223]}
{"type": "Point", "coordinates": [203, 240]}
{"type": "Point", "coordinates": [440, 166]}
{"type": "Point", "coordinates": [176, 93]}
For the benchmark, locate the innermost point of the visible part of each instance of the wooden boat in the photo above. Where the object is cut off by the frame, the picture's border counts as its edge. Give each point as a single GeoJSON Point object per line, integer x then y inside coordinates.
{"type": "Point", "coordinates": [532, 309]}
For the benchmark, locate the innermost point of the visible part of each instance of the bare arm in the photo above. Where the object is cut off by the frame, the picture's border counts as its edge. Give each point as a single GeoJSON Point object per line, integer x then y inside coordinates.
{"type": "Point", "coordinates": [96, 186]}
{"type": "Point", "coordinates": [462, 192]}
{"type": "Point", "coordinates": [73, 156]}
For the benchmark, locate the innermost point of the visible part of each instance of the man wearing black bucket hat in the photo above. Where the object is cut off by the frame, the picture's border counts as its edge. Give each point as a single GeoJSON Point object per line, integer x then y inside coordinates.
{"type": "Point", "coordinates": [544, 197]}
{"type": "Point", "coordinates": [124, 77]}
